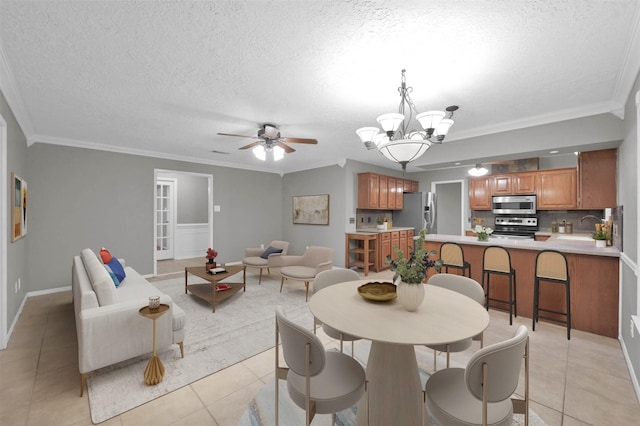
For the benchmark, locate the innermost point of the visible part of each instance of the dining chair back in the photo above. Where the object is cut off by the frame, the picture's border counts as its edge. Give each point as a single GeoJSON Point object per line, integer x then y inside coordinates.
{"type": "Point", "coordinates": [465, 286]}
{"type": "Point", "coordinates": [326, 279]}
{"type": "Point", "coordinates": [552, 267]}
{"type": "Point", "coordinates": [318, 381]}
{"type": "Point", "coordinates": [452, 256]}
{"type": "Point", "coordinates": [497, 261]}
{"type": "Point", "coordinates": [481, 393]}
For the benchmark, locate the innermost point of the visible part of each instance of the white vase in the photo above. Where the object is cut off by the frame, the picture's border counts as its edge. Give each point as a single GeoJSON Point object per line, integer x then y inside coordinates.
{"type": "Point", "coordinates": [601, 243]}
{"type": "Point", "coordinates": [410, 296]}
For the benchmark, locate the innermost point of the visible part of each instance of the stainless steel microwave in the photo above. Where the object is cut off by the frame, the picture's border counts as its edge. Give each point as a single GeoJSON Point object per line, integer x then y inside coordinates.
{"type": "Point", "coordinates": [514, 204]}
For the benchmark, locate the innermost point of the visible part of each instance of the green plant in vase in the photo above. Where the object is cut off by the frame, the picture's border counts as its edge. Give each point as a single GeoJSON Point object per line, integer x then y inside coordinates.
{"type": "Point", "coordinates": [413, 269]}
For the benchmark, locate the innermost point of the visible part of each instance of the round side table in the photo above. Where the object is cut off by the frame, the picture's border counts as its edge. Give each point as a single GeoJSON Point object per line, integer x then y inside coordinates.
{"type": "Point", "coordinates": [154, 372]}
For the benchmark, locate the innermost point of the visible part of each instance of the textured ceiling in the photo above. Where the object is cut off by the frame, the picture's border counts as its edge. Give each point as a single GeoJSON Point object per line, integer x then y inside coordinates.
{"type": "Point", "coordinates": [162, 78]}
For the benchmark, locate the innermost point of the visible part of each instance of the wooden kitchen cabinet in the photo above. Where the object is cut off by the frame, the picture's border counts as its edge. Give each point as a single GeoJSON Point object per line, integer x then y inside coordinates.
{"type": "Point", "coordinates": [391, 195]}
{"type": "Point", "coordinates": [395, 242]}
{"type": "Point", "coordinates": [384, 249]}
{"type": "Point", "coordinates": [557, 189]}
{"type": "Point", "coordinates": [597, 179]}
{"type": "Point", "coordinates": [361, 252]}
{"type": "Point", "coordinates": [381, 192]}
{"type": "Point", "coordinates": [501, 185]}
{"type": "Point", "coordinates": [415, 186]}
{"type": "Point", "coordinates": [480, 193]}
{"type": "Point", "coordinates": [368, 190]}
{"type": "Point", "coordinates": [524, 183]}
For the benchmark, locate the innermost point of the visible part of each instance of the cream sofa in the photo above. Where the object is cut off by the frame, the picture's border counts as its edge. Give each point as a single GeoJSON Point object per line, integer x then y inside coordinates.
{"type": "Point", "coordinates": [108, 324]}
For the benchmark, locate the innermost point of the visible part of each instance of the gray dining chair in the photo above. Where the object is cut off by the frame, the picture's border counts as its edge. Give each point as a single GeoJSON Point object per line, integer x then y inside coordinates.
{"type": "Point", "coordinates": [319, 381]}
{"type": "Point", "coordinates": [481, 393]}
{"type": "Point", "coordinates": [326, 279]}
{"type": "Point", "coordinates": [467, 287]}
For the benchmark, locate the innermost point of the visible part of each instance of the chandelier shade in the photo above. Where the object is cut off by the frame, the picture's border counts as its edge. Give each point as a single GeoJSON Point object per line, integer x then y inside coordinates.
{"type": "Point", "coordinates": [260, 152]}
{"type": "Point", "coordinates": [397, 141]}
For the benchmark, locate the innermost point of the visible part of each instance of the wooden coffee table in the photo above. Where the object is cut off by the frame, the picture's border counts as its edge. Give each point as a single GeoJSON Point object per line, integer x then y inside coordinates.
{"type": "Point", "coordinates": [210, 292]}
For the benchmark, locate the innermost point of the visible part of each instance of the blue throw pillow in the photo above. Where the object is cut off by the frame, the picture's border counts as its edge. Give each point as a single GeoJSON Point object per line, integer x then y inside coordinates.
{"type": "Point", "coordinates": [270, 250]}
{"type": "Point", "coordinates": [117, 268]}
{"type": "Point", "coordinates": [115, 279]}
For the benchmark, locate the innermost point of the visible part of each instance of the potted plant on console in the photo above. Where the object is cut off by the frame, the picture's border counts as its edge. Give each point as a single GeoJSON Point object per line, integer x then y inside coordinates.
{"type": "Point", "coordinates": [411, 271]}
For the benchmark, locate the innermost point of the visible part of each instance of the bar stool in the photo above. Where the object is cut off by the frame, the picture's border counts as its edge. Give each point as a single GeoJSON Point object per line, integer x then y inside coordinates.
{"type": "Point", "coordinates": [496, 260]}
{"type": "Point", "coordinates": [452, 256]}
{"type": "Point", "coordinates": [551, 266]}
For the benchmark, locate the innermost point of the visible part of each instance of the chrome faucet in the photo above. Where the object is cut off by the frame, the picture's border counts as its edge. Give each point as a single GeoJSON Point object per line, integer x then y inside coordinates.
{"type": "Point", "coordinates": [599, 219]}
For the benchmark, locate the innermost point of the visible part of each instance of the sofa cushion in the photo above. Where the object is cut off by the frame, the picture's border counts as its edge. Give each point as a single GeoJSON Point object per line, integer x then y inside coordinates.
{"type": "Point", "coordinates": [117, 268]}
{"type": "Point", "coordinates": [270, 250]}
{"type": "Point", "coordinates": [115, 279]}
{"type": "Point", "coordinates": [100, 279]}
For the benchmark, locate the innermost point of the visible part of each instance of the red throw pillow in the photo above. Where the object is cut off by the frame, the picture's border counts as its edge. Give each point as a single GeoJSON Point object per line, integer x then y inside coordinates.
{"type": "Point", "coordinates": [105, 255]}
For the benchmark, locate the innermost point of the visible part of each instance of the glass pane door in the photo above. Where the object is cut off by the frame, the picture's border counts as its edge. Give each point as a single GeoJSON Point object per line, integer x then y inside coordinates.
{"type": "Point", "coordinates": [164, 220]}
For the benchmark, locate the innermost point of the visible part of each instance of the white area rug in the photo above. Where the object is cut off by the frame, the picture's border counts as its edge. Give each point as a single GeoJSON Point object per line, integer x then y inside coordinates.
{"type": "Point", "coordinates": [241, 327]}
{"type": "Point", "coordinates": [261, 410]}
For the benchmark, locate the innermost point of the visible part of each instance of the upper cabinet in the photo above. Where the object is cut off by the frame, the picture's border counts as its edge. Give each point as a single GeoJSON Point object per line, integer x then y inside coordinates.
{"type": "Point", "coordinates": [524, 183]}
{"type": "Point", "coordinates": [557, 189]}
{"type": "Point", "coordinates": [480, 193]}
{"type": "Point", "coordinates": [381, 192]}
{"type": "Point", "coordinates": [590, 186]}
{"type": "Point", "coordinates": [597, 179]}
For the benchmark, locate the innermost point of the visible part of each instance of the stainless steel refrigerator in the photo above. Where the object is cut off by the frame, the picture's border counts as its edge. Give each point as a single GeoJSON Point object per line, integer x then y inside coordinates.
{"type": "Point", "coordinates": [418, 211]}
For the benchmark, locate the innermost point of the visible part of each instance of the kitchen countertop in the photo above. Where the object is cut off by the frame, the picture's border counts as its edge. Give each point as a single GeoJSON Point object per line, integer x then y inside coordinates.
{"type": "Point", "coordinates": [575, 246]}
{"type": "Point", "coordinates": [379, 231]}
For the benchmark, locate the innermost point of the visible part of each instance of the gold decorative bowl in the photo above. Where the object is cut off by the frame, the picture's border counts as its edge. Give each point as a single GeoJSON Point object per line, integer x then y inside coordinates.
{"type": "Point", "coordinates": [378, 291]}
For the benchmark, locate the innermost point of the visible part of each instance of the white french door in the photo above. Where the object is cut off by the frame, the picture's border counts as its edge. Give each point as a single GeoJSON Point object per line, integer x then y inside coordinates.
{"type": "Point", "coordinates": [165, 219]}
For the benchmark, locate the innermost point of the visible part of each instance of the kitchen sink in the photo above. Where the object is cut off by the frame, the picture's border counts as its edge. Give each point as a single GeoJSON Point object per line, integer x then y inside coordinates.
{"type": "Point", "coordinates": [574, 238]}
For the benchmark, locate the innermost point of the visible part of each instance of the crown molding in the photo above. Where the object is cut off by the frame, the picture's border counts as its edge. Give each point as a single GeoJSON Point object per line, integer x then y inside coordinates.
{"type": "Point", "coordinates": [12, 95]}
{"type": "Point", "coordinates": [538, 120]}
{"type": "Point", "coordinates": [144, 153]}
{"type": "Point", "coordinates": [631, 65]}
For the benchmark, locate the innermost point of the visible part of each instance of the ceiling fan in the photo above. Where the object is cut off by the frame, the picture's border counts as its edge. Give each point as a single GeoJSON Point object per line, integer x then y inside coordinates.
{"type": "Point", "coordinates": [269, 140]}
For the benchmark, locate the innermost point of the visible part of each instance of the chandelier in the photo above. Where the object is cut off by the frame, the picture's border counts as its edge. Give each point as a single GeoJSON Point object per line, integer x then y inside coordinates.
{"type": "Point", "coordinates": [397, 142]}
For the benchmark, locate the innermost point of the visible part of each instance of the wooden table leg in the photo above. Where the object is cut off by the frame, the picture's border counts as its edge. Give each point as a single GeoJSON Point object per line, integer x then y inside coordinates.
{"type": "Point", "coordinates": [185, 280]}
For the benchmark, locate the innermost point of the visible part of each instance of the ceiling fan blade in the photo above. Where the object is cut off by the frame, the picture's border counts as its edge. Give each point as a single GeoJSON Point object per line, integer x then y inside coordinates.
{"type": "Point", "coordinates": [284, 146]}
{"type": "Point", "coordinates": [300, 140]}
{"type": "Point", "coordinates": [239, 136]}
{"type": "Point", "coordinates": [251, 145]}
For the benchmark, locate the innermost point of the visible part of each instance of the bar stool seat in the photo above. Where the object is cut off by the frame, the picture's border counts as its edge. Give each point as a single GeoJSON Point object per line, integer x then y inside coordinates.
{"type": "Point", "coordinates": [496, 260]}
{"type": "Point", "coordinates": [552, 267]}
{"type": "Point", "coordinates": [452, 256]}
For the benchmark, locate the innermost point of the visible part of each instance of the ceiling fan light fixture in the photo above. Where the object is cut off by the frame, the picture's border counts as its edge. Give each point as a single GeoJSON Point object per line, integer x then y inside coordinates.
{"type": "Point", "coordinates": [397, 141]}
{"type": "Point", "coordinates": [278, 153]}
{"type": "Point", "coordinates": [260, 153]}
{"type": "Point", "coordinates": [478, 170]}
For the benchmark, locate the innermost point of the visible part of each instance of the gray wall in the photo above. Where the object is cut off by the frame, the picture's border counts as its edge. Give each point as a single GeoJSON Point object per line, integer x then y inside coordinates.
{"type": "Point", "coordinates": [628, 197]}
{"type": "Point", "coordinates": [192, 199]}
{"type": "Point", "coordinates": [17, 258]}
{"type": "Point", "coordinates": [86, 198]}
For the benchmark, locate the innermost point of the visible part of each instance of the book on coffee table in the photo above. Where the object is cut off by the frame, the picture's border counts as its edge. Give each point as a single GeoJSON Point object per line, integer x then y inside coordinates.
{"type": "Point", "coordinates": [214, 271]}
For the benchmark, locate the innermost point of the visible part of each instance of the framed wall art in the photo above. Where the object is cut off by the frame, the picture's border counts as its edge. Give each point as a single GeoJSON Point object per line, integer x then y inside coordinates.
{"type": "Point", "coordinates": [311, 209]}
{"type": "Point", "coordinates": [18, 207]}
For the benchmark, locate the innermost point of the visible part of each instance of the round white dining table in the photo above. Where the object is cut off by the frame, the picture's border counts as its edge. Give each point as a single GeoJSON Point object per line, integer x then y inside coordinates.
{"type": "Point", "coordinates": [395, 391]}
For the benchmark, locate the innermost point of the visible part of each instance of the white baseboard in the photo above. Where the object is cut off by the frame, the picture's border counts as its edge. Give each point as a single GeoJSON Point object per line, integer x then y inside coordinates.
{"type": "Point", "coordinates": [632, 373]}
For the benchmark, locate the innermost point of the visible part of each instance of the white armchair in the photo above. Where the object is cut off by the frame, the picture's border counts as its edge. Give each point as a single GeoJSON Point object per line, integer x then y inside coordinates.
{"type": "Point", "coordinates": [265, 258]}
{"type": "Point", "coordinates": [306, 267]}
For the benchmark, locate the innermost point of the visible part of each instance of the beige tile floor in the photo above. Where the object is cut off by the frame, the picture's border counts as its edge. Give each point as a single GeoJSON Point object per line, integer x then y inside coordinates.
{"type": "Point", "coordinates": [579, 382]}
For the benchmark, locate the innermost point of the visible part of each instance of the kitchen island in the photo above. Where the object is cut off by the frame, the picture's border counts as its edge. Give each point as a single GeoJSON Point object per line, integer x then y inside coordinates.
{"type": "Point", "coordinates": [368, 248]}
{"type": "Point", "coordinates": [594, 275]}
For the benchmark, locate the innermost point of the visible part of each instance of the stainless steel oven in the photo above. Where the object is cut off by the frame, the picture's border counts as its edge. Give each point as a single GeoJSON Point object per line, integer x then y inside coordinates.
{"type": "Point", "coordinates": [515, 228]}
{"type": "Point", "coordinates": [514, 204]}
